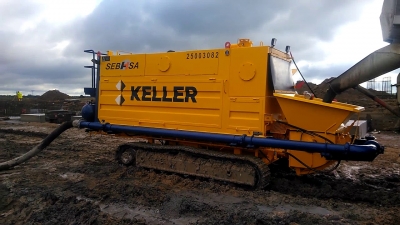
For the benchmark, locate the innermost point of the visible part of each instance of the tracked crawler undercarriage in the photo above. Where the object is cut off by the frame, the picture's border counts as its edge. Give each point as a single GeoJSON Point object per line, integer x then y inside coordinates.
{"type": "Point", "coordinates": [237, 169]}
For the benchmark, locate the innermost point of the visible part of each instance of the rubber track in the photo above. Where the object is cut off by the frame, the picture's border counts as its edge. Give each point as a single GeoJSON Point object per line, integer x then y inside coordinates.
{"type": "Point", "coordinates": [262, 169]}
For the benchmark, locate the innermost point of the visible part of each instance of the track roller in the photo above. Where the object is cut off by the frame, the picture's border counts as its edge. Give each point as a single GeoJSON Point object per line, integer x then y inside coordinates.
{"type": "Point", "coordinates": [243, 170]}
{"type": "Point", "coordinates": [126, 155]}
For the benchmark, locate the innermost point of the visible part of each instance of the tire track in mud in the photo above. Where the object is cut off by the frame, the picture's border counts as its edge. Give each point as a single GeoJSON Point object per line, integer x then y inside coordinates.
{"type": "Point", "coordinates": [99, 191]}
{"type": "Point", "coordinates": [328, 187]}
{"type": "Point", "coordinates": [377, 190]}
{"type": "Point", "coordinates": [46, 205]}
{"type": "Point", "coordinates": [381, 190]}
{"type": "Point", "coordinates": [24, 133]}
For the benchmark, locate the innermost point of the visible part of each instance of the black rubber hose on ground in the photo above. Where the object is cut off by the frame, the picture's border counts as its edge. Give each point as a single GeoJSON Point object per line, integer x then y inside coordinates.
{"type": "Point", "coordinates": [34, 151]}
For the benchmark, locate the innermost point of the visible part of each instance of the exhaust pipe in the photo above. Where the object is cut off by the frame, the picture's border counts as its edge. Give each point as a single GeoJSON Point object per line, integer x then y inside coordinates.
{"type": "Point", "coordinates": [375, 64]}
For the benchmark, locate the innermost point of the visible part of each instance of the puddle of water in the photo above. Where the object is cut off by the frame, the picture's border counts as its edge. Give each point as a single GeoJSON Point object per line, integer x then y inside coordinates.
{"type": "Point", "coordinates": [75, 177]}
{"type": "Point", "coordinates": [86, 199]}
{"type": "Point", "coordinates": [154, 216]}
{"type": "Point", "coordinates": [9, 174]}
{"type": "Point", "coordinates": [151, 216]}
{"type": "Point", "coordinates": [287, 208]}
{"type": "Point", "coordinates": [213, 198]}
{"type": "Point", "coordinates": [12, 120]}
{"type": "Point", "coordinates": [350, 172]}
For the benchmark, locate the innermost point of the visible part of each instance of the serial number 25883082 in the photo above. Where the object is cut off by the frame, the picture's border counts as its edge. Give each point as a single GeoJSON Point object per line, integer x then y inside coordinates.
{"type": "Point", "coordinates": [201, 55]}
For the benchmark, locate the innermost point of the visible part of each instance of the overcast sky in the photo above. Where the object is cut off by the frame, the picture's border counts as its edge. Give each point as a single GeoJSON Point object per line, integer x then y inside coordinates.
{"type": "Point", "coordinates": [42, 41]}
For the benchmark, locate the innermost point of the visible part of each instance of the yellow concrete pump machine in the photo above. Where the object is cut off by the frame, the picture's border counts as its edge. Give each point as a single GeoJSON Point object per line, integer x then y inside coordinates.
{"type": "Point", "coordinates": [228, 113]}
{"type": "Point", "coordinates": [223, 113]}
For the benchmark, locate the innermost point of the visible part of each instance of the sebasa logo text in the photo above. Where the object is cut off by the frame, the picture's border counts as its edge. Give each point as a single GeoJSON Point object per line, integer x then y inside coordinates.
{"type": "Point", "coordinates": [124, 65]}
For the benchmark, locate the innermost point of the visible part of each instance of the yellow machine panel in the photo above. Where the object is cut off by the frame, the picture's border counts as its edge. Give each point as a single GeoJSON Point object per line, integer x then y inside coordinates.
{"type": "Point", "coordinates": [183, 63]}
{"type": "Point", "coordinates": [238, 90]}
{"type": "Point", "coordinates": [217, 91]}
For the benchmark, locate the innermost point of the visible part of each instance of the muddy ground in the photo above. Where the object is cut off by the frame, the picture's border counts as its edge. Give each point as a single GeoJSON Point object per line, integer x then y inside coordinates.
{"type": "Point", "coordinates": [76, 181]}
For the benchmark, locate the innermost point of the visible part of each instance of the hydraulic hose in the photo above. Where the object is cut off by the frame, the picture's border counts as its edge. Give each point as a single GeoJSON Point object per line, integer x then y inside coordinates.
{"type": "Point", "coordinates": [302, 75]}
{"type": "Point", "coordinates": [34, 151]}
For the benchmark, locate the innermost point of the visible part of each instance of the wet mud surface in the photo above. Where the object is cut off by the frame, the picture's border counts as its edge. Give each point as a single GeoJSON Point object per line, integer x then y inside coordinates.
{"type": "Point", "coordinates": [75, 180]}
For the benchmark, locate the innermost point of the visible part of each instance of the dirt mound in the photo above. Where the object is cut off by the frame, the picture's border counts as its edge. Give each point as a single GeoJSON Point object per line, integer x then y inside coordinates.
{"type": "Point", "coordinates": [351, 96]}
{"type": "Point", "coordinates": [53, 95]}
